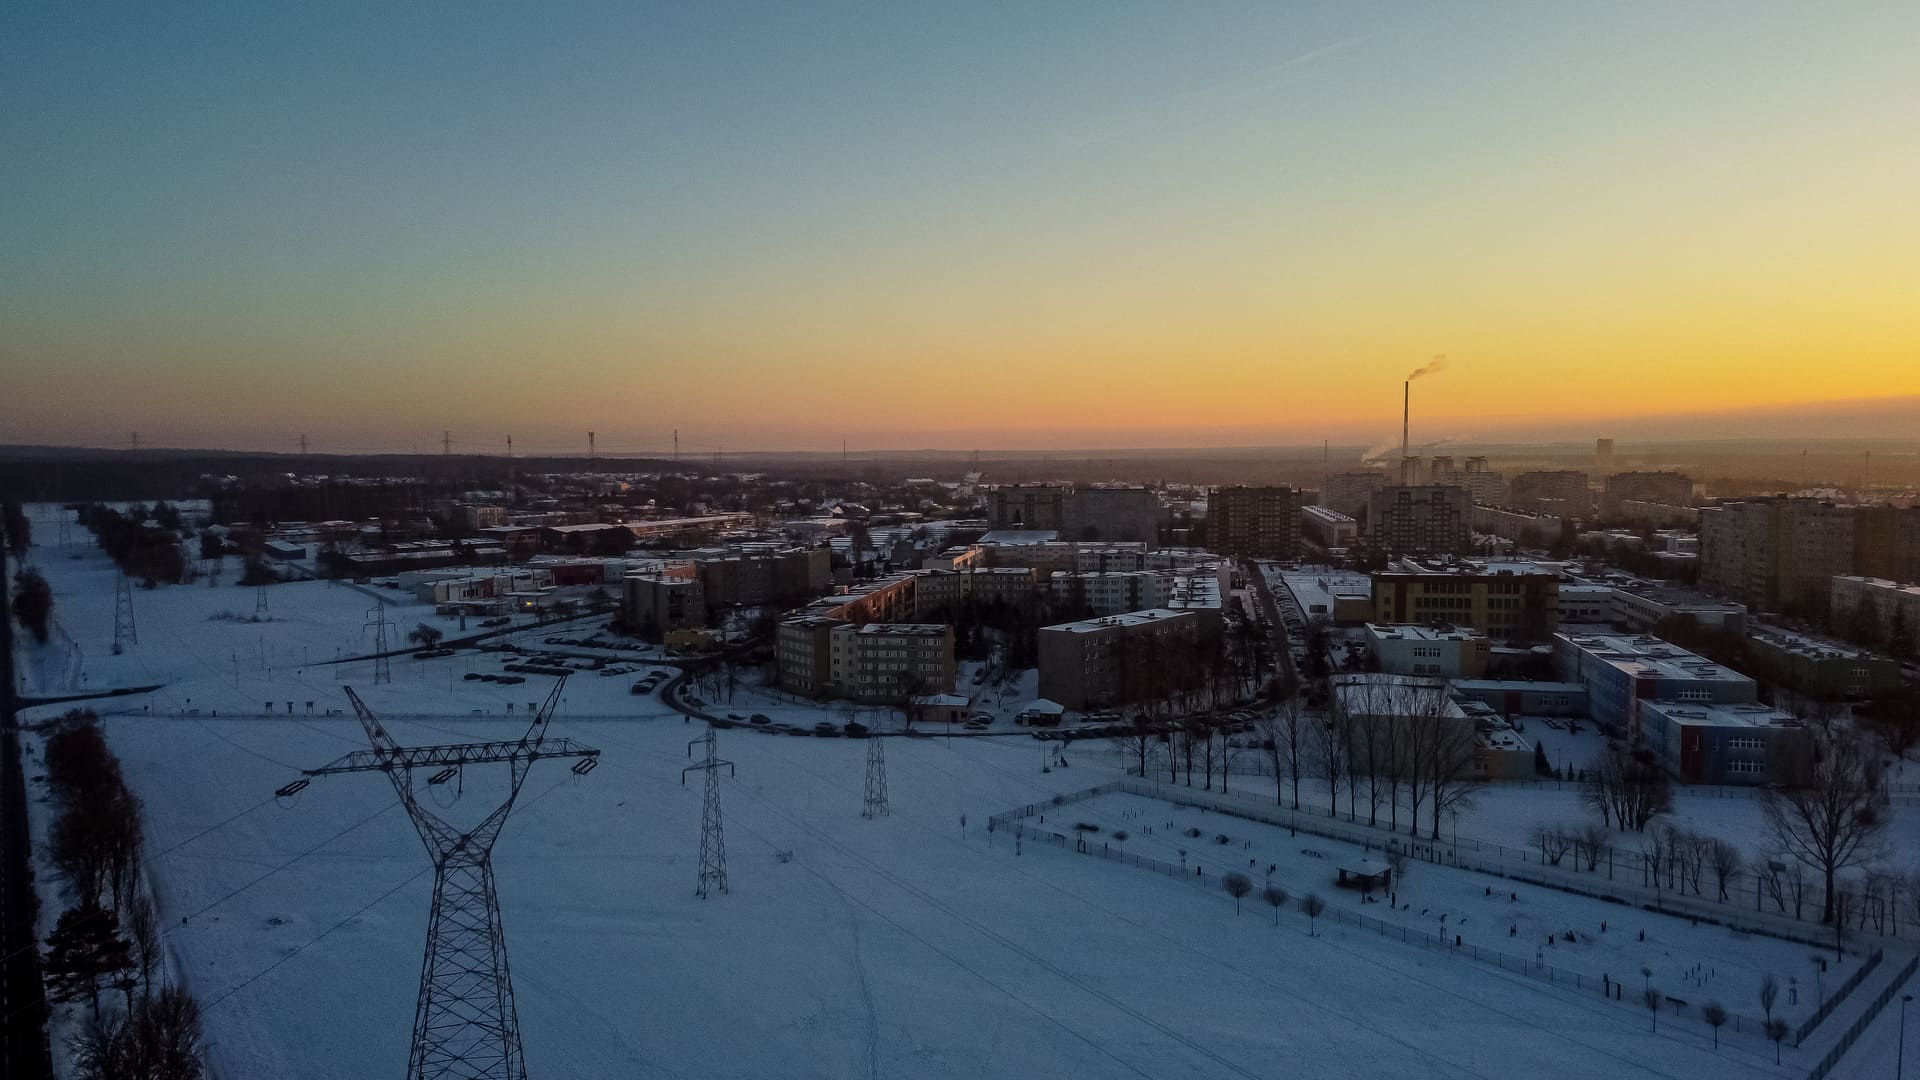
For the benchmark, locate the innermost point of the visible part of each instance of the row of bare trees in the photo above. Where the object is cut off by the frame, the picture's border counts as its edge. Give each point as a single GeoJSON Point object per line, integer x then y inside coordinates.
{"type": "Point", "coordinates": [111, 934]}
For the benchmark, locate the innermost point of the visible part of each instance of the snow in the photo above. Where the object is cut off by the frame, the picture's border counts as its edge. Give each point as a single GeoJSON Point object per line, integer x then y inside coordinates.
{"type": "Point", "coordinates": [911, 945]}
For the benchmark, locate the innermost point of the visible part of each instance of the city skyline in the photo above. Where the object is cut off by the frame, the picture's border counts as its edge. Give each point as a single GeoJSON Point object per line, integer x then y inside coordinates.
{"type": "Point", "coordinates": [991, 226]}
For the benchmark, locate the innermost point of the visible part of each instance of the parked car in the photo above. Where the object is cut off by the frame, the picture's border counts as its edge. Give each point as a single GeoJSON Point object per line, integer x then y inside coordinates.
{"type": "Point", "coordinates": [762, 720]}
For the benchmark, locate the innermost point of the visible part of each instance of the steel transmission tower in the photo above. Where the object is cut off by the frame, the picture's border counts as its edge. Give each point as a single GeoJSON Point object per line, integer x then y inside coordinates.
{"type": "Point", "coordinates": [259, 600]}
{"type": "Point", "coordinates": [465, 1026]}
{"type": "Point", "coordinates": [124, 632]}
{"type": "Point", "coordinates": [382, 664]}
{"type": "Point", "coordinates": [713, 838]}
{"type": "Point", "coordinates": [875, 803]}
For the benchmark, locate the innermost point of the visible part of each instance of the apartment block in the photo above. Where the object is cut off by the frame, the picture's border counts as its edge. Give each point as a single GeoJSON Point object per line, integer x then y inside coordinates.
{"type": "Point", "coordinates": [1426, 520]}
{"type": "Point", "coordinates": [1672, 488]}
{"type": "Point", "coordinates": [1567, 488]}
{"type": "Point", "coordinates": [1776, 553]}
{"type": "Point", "coordinates": [1348, 492]}
{"type": "Point", "coordinates": [1115, 660]}
{"type": "Point", "coordinates": [1260, 522]}
{"type": "Point", "coordinates": [1890, 605]}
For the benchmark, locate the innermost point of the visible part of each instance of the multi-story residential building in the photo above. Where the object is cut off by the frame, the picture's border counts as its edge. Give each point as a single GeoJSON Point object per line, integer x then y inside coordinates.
{"type": "Point", "coordinates": [1516, 604]}
{"type": "Point", "coordinates": [1567, 487]}
{"type": "Point", "coordinates": [1327, 527]}
{"type": "Point", "coordinates": [1429, 520]}
{"type": "Point", "coordinates": [1726, 743]}
{"type": "Point", "coordinates": [1886, 542]}
{"type": "Point", "coordinates": [1620, 671]}
{"type": "Point", "coordinates": [656, 603]}
{"type": "Point", "coordinates": [943, 592]}
{"type": "Point", "coordinates": [1110, 514]}
{"type": "Point", "coordinates": [1028, 506]}
{"type": "Point", "coordinates": [1262, 522]}
{"type": "Point", "coordinates": [759, 575]}
{"type": "Point", "coordinates": [1114, 660]}
{"type": "Point", "coordinates": [1348, 492]}
{"type": "Point", "coordinates": [1891, 606]}
{"type": "Point", "coordinates": [1658, 515]}
{"type": "Point", "coordinates": [1429, 650]}
{"type": "Point", "coordinates": [890, 662]}
{"type": "Point", "coordinates": [1109, 592]}
{"type": "Point", "coordinates": [1776, 553]}
{"type": "Point", "coordinates": [1672, 488]}
{"type": "Point", "coordinates": [1484, 486]}
{"type": "Point", "coordinates": [1521, 526]}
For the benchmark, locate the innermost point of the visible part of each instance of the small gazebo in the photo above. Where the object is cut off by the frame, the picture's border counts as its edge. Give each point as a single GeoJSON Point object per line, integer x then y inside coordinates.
{"type": "Point", "coordinates": [1365, 874]}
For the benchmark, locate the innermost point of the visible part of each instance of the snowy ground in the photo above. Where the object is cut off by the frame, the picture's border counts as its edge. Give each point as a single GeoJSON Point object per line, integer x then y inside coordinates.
{"type": "Point", "coordinates": [905, 946]}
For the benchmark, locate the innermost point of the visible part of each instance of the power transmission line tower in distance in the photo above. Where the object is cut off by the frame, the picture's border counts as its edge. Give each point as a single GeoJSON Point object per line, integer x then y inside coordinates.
{"type": "Point", "coordinates": [259, 600]}
{"type": "Point", "coordinates": [875, 802]}
{"type": "Point", "coordinates": [124, 631]}
{"type": "Point", "coordinates": [382, 663]}
{"type": "Point", "coordinates": [465, 1025]}
{"type": "Point", "coordinates": [713, 837]}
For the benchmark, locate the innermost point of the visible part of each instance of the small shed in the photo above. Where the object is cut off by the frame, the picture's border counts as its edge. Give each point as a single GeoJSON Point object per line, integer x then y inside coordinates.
{"type": "Point", "coordinates": [936, 709]}
{"type": "Point", "coordinates": [1041, 713]}
{"type": "Point", "coordinates": [1365, 874]}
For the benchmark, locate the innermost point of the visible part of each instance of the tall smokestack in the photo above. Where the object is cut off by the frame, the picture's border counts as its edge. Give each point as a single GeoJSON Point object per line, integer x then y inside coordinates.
{"type": "Point", "coordinates": [1406, 407]}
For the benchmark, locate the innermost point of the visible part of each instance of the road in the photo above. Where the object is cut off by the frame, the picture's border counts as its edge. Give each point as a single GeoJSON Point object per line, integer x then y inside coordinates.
{"type": "Point", "coordinates": [23, 1032]}
{"type": "Point", "coordinates": [1276, 628]}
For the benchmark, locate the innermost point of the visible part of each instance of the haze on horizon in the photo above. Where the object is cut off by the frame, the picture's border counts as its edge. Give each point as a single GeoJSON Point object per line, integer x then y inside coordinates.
{"type": "Point", "coordinates": [1073, 225]}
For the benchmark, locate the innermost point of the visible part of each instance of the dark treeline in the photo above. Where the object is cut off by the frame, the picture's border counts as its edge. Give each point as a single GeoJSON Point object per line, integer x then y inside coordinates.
{"type": "Point", "coordinates": [110, 937]}
{"type": "Point", "coordinates": [145, 543]}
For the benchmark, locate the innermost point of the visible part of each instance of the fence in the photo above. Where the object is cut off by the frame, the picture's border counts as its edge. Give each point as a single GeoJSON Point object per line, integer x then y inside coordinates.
{"type": "Point", "coordinates": [1860, 1023]}
{"type": "Point", "coordinates": [1839, 995]}
{"type": "Point", "coordinates": [1612, 989]}
{"type": "Point", "coordinates": [1525, 864]}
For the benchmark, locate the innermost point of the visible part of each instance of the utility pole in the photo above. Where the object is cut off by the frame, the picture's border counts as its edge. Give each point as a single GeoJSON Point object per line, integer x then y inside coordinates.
{"type": "Point", "coordinates": [303, 444]}
{"type": "Point", "coordinates": [874, 803]}
{"type": "Point", "coordinates": [676, 446]}
{"type": "Point", "coordinates": [133, 441]}
{"type": "Point", "coordinates": [124, 632]}
{"type": "Point", "coordinates": [713, 839]}
{"type": "Point", "coordinates": [465, 1024]}
{"type": "Point", "coordinates": [446, 443]}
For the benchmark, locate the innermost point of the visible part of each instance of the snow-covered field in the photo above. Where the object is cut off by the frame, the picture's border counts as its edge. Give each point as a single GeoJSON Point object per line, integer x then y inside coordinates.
{"type": "Point", "coordinates": [915, 945]}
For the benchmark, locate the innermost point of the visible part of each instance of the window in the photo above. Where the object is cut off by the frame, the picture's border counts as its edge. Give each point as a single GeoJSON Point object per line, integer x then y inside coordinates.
{"type": "Point", "coordinates": [1750, 768]}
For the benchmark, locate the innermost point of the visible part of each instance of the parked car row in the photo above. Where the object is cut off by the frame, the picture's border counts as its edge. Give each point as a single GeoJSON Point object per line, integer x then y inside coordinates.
{"type": "Point", "coordinates": [504, 680]}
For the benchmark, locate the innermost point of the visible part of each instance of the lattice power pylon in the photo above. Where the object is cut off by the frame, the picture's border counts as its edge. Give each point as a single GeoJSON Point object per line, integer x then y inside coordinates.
{"type": "Point", "coordinates": [713, 838]}
{"type": "Point", "coordinates": [875, 802]}
{"type": "Point", "coordinates": [259, 600]}
{"type": "Point", "coordinates": [382, 663]}
{"type": "Point", "coordinates": [465, 1026]}
{"type": "Point", "coordinates": [124, 632]}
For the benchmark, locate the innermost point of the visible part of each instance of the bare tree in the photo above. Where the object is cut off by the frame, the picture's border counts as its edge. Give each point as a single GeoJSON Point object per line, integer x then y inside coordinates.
{"type": "Point", "coordinates": [1726, 863]}
{"type": "Point", "coordinates": [1287, 738]}
{"type": "Point", "coordinates": [1627, 791]}
{"type": "Point", "coordinates": [1715, 1014]}
{"type": "Point", "coordinates": [1553, 842]}
{"type": "Point", "coordinates": [1652, 997]}
{"type": "Point", "coordinates": [1831, 822]}
{"type": "Point", "coordinates": [1311, 905]}
{"type": "Point", "coordinates": [1332, 748]}
{"type": "Point", "coordinates": [1274, 897]}
{"type": "Point", "coordinates": [1238, 885]}
{"type": "Point", "coordinates": [1589, 843]}
{"type": "Point", "coordinates": [143, 933]}
{"type": "Point", "coordinates": [1777, 1031]}
{"type": "Point", "coordinates": [1769, 993]}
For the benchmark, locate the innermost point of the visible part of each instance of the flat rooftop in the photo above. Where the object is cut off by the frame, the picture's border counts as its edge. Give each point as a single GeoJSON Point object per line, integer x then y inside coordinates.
{"type": "Point", "coordinates": [1108, 622]}
{"type": "Point", "coordinates": [1721, 714]}
{"type": "Point", "coordinates": [1809, 646]}
{"type": "Point", "coordinates": [1642, 654]}
{"type": "Point", "coordinates": [1423, 633]}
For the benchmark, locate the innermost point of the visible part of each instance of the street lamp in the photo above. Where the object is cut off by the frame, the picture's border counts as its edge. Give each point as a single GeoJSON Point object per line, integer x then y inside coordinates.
{"type": "Point", "coordinates": [1900, 1055]}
